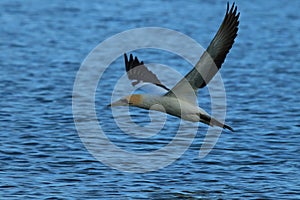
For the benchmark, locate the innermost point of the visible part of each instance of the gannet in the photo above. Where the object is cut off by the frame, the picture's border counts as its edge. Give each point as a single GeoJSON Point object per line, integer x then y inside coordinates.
{"type": "Point", "coordinates": [174, 101]}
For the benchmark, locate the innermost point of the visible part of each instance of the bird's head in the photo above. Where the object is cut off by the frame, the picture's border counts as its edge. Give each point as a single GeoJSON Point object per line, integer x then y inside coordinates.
{"type": "Point", "coordinates": [130, 100]}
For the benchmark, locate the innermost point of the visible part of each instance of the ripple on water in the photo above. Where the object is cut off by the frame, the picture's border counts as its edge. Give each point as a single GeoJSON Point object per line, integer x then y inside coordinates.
{"type": "Point", "coordinates": [42, 156]}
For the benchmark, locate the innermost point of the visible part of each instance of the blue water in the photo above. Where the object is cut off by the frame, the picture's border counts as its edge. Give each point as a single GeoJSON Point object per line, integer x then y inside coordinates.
{"type": "Point", "coordinates": [42, 47]}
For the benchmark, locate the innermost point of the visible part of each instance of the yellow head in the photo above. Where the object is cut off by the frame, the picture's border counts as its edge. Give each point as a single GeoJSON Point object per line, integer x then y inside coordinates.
{"type": "Point", "coordinates": [131, 100]}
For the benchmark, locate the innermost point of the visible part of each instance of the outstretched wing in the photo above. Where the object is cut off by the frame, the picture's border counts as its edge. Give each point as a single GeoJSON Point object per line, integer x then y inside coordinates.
{"type": "Point", "coordinates": [212, 59]}
{"type": "Point", "coordinates": [138, 72]}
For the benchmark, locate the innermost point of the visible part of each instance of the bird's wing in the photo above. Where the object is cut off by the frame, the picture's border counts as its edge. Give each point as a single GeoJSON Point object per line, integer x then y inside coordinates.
{"type": "Point", "coordinates": [150, 88]}
{"type": "Point", "coordinates": [212, 59]}
{"type": "Point", "coordinates": [137, 72]}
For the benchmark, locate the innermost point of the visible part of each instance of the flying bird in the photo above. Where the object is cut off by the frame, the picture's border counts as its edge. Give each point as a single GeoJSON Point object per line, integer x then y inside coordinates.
{"type": "Point", "coordinates": [176, 101]}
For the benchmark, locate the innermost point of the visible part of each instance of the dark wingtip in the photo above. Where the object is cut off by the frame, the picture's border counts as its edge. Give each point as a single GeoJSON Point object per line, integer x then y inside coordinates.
{"type": "Point", "coordinates": [228, 127]}
{"type": "Point", "coordinates": [130, 57]}
{"type": "Point", "coordinates": [227, 7]}
{"type": "Point", "coordinates": [238, 15]}
{"type": "Point", "coordinates": [126, 61]}
{"type": "Point", "coordinates": [233, 8]}
{"type": "Point", "coordinates": [125, 57]}
{"type": "Point", "coordinates": [131, 62]}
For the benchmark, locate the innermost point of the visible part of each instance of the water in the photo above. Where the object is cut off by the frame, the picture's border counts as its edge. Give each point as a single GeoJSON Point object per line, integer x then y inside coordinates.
{"type": "Point", "coordinates": [42, 156]}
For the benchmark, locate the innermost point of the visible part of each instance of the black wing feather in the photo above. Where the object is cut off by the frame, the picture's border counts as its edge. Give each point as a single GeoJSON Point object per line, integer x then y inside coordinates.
{"type": "Point", "coordinates": [138, 72]}
{"type": "Point", "coordinates": [212, 59]}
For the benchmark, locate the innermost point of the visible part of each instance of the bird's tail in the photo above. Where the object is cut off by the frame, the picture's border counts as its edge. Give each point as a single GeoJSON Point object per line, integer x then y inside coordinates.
{"type": "Point", "coordinates": [213, 122]}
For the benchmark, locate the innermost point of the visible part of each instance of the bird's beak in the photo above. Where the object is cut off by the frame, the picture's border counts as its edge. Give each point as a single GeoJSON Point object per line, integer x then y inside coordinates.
{"type": "Point", "coordinates": [121, 102]}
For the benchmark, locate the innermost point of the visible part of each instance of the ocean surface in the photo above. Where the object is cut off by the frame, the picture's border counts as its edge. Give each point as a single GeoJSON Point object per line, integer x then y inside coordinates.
{"type": "Point", "coordinates": [43, 156]}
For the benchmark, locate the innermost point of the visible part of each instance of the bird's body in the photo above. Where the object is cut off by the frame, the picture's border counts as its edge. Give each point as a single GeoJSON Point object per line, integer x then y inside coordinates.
{"type": "Point", "coordinates": [170, 105]}
{"type": "Point", "coordinates": [180, 100]}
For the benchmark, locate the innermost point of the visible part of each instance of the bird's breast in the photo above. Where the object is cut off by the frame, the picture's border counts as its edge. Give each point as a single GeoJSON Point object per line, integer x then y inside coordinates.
{"type": "Point", "coordinates": [172, 106]}
{"type": "Point", "coordinates": [181, 109]}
